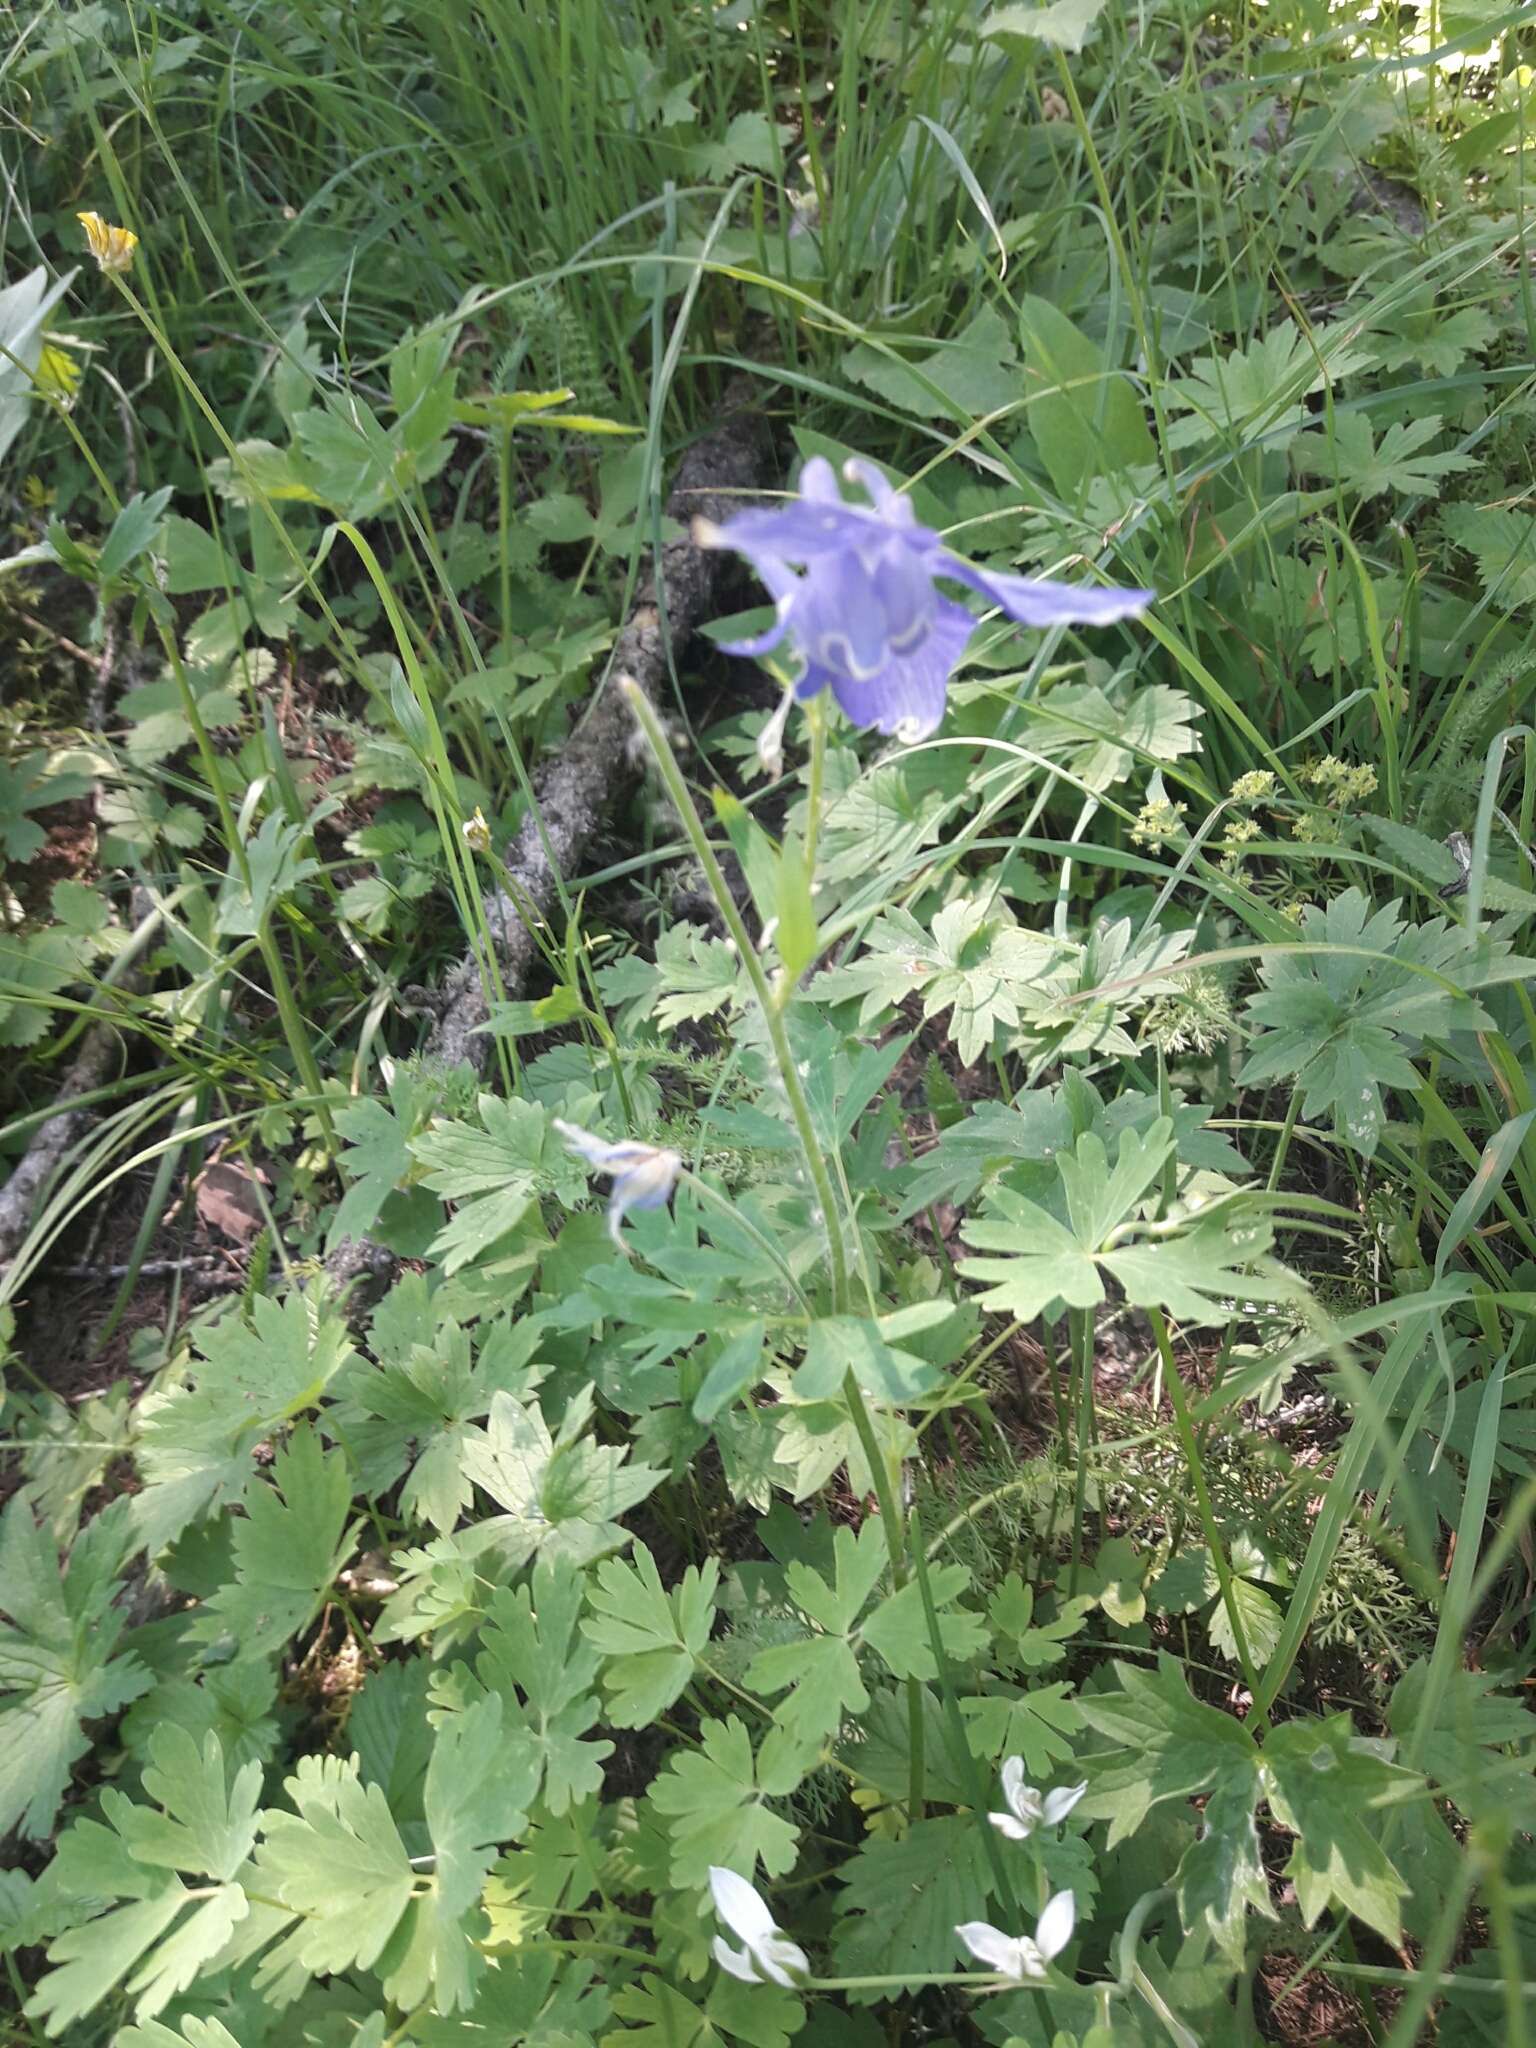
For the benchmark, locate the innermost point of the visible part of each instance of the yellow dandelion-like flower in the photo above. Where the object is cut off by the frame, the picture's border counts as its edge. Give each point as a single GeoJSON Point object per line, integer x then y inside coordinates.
{"type": "Point", "coordinates": [112, 247]}
{"type": "Point", "coordinates": [477, 832]}
{"type": "Point", "coordinates": [58, 374]}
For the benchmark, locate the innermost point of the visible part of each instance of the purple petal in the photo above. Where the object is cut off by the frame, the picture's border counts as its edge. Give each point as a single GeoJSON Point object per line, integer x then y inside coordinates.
{"type": "Point", "coordinates": [818, 482]}
{"type": "Point", "coordinates": [839, 619]}
{"type": "Point", "coordinates": [908, 693]}
{"type": "Point", "coordinates": [893, 506]}
{"type": "Point", "coordinates": [783, 587]}
{"type": "Point", "coordinates": [1035, 602]}
{"type": "Point", "coordinates": [798, 531]}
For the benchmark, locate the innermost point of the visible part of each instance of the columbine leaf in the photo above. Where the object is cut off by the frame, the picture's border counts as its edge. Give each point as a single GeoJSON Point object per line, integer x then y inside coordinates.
{"type": "Point", "coordinates": [478, 1790]}
{"type": "Point", "coordinates": [339, 1863]}
{"type": "Point", "coordinates": [153, 1948]}
{"type": "Point", "coordinates": [651, 1639]}
{"type": "Point", "coordinates": [1039, 1725]}
{"type": "Point", "coordinates": [561, 1492]}
{"type": "Point", "coordinates": [57, 1662]}
{"type": "Point", "coordinates": [967, 965]}
{"type": "Point", "coordinates": [195, 1440]}
{"type": "Point", "coordinates": [534, 1658]}
{"type": "Point", "coordinates": [714, 1802]}
{"type": "Point", "coordinates": [288, 1548]}
{"type": "Point", "coordinates": [822, 1668]}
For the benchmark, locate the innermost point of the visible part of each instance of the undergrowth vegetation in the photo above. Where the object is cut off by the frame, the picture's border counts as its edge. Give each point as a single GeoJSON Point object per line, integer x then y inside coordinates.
{"type": "Point", "coordinates": [877, 1385]}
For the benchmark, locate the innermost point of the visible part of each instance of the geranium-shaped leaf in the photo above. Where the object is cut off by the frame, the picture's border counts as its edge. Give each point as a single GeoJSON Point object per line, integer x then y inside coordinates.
{"type": "Point", "coordinates": [31, 783]}
{"type": "Point", "coordinates": [379, 1160]}
{"type": "Point", "coordinates": [1194, 1267]}
{"type": "Point", "coordinates": [493, 1171]}
{"type": "Point", "coordinates": [195, 1440]}
{"type": "Point", "coordinates": [1259, 390]}
{"type": "Point", "coordinates": [714, 1800]}
{"type": "Point", "coordinates": [1055, 1260]}
{"type": "Point", "coordinates": [1102, 735]}
{"type": "Point", "coordinates": [1080, 992]}
{"type": "Point", "coordinates": [57, 1662]}
{"type": "Point", "coordinates": [147, 1940]}
{"type": "Point", "coordinates": [1353, 456]}
{"type": "Point", "coordinates": [560, 1492]}
{"type": "Point", "coordinates": [417, 1406]}
{"type": "Point", "coordinates": [968, 964]}
{"type": "Point", "coordinates": [288, 1547]}
{"type": "Point", "coordinates": [904, 1898]}
{"type": "Point", "coordinates": [1323, 1781]}
{"type": "Point", "coordinates": [1166, 1745]}
{"type": "Point", "coordinates": [660, 2016]}
{"type": "Point", "coordinates": [1345, 1018]}
{"type": "Point", "coordinates": [650, 1639]}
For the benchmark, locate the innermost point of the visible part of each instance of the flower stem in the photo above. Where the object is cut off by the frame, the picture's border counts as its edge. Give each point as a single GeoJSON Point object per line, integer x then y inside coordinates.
{"type": "Point", "coordinates": [772, 1009]}
{"type": "Point", "coordinates": [1224, 1575]}
{"type": "Point", "coordinates": [772, 1006]}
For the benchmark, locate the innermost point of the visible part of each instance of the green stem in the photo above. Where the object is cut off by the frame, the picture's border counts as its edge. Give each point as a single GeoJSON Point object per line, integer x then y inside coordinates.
{"type": "Point", "coordinates": [1224, 1575]}
{"type": "Point", "coordinates": [772, 1004]}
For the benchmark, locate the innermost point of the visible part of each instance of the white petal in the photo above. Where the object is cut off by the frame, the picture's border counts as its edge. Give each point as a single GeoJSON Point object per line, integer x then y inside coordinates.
{"type": "Point", "coordinates": [778, 1956]}
{"type": "Point", "coordinates": [1013, 1782]}
{"type": "Point", "coordinates": [1059, 1804]}
{"type": "Point", "coordinates": [991, 1946]}
{"type": "Point", "coordinates": [740, 1906]}
{"type": "Point", "coordinates": [737, 1961]}
{"type": "Point", "coordinates": [590, 1147]}
{"type": "Point", "coordinates": [1014, 1830]}
{"type": "Point", "coordinates": [1055, 1926]}
{"type": "Point", "coordinates": [1029, 1964]}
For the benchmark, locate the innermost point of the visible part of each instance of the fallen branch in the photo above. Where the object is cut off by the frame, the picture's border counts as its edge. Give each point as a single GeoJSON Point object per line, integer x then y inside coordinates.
{"type": "Point", "coordinates": [89, 1070]}
{"type": "Point", "coordinates": [577, 790]}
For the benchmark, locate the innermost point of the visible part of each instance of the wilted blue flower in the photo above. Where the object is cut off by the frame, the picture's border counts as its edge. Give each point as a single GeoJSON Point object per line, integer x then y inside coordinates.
{"type": "Point", "coordinates": [863, 611]}
{"type": "Point", "coordinates": [643, 1175]}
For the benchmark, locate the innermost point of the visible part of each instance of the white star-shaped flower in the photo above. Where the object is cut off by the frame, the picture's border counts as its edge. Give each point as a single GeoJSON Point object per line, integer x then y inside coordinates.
{"type": "Point", "coordinates": [1029, 1809]}
{"type": "Point", "coordinates": [1023, 1959]}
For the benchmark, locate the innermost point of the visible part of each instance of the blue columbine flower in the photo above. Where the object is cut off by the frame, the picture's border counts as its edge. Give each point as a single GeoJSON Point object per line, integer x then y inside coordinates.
{"type": "Point", "coordinates": [863, 610]}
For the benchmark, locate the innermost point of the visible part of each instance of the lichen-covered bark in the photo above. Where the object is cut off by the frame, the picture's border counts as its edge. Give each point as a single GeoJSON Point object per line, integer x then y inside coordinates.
{"type": "Point", "coordinates": [577, 790]}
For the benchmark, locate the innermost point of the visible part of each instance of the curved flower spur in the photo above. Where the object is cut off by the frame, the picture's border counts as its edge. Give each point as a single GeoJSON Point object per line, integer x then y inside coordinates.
{"type": "Point", "coordinates": [863, 610]}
